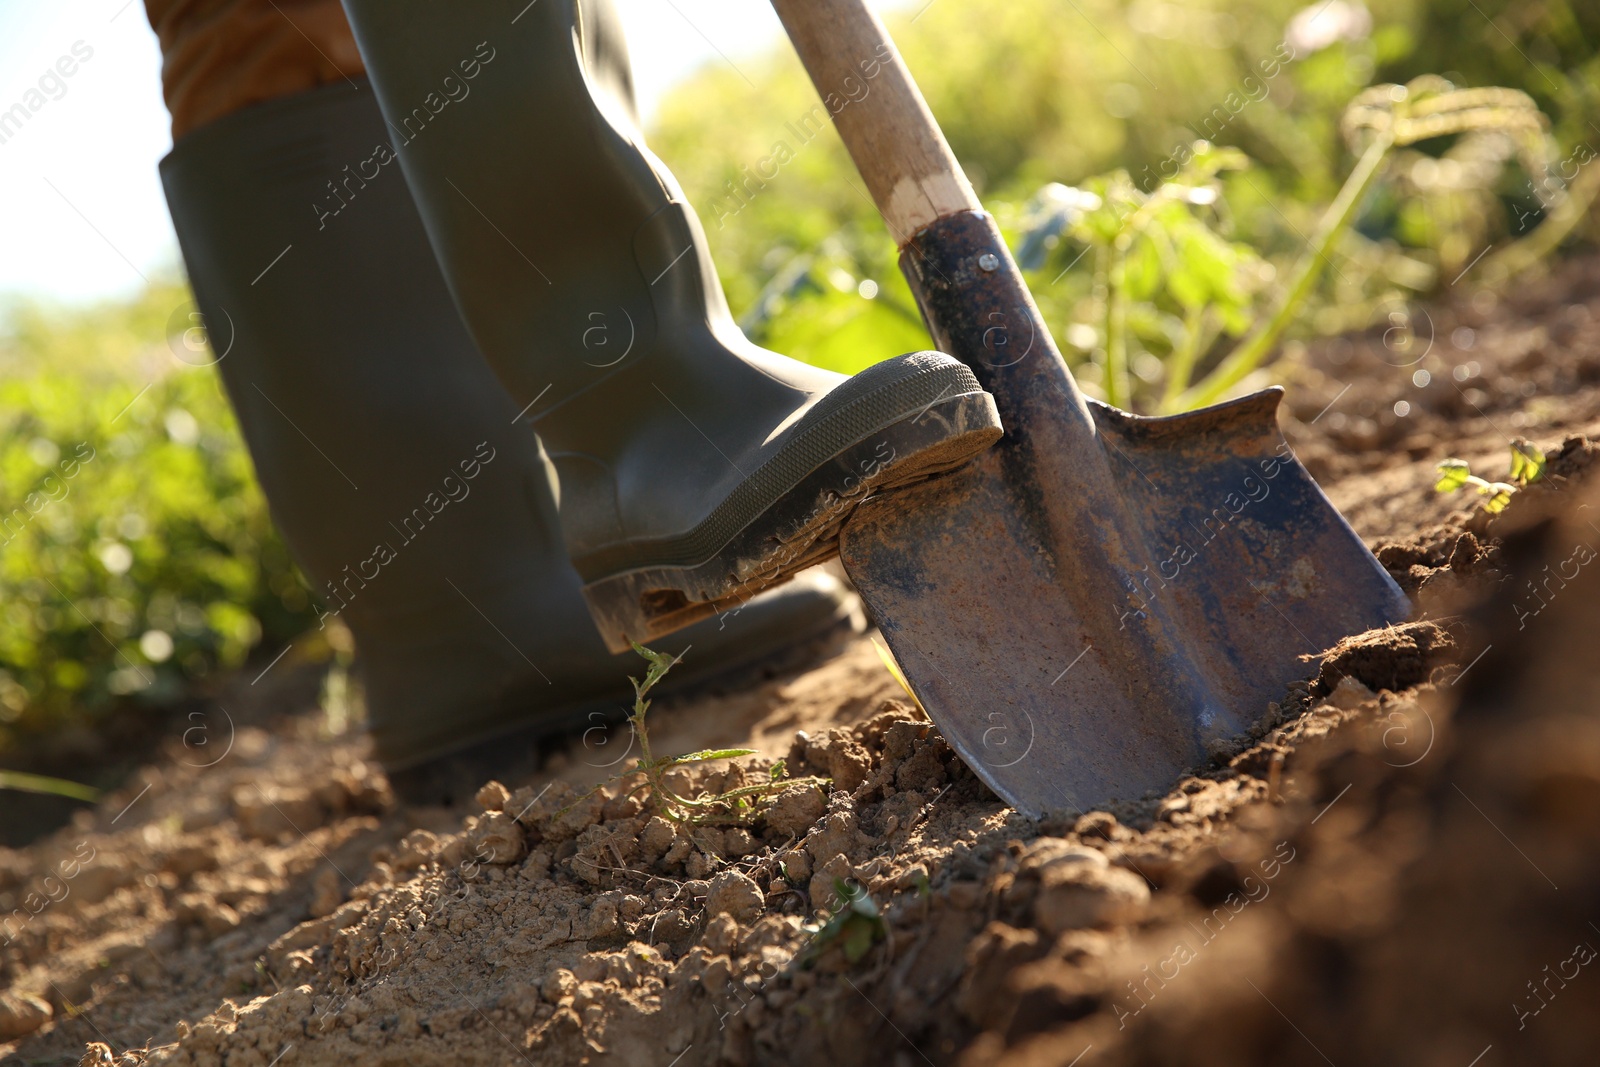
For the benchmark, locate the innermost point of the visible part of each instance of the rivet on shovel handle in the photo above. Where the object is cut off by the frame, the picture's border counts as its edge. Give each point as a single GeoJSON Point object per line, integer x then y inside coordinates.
{"type": "Point", "coordinates": [1101, 600]}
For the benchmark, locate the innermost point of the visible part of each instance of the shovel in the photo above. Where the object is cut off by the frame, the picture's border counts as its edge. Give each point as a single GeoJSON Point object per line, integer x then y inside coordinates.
{"type": "Point", "coordinates": [1101, 601]}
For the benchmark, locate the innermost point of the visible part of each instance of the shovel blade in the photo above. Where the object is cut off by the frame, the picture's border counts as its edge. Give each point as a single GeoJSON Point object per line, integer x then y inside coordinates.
{"type": "Point", "coordinates": [1070, 668]}
{"type": "Point", "coordinates": [1099, 601]}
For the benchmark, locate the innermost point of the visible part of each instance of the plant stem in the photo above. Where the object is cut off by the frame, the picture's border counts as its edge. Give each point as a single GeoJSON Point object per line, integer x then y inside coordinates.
{"type": "Point", "coordinates": [1335, 221]}
{"type": "Point", "coordinates": [1181, 363]}
{"type": "Point", "coordinates": [1116, 377]}
{"type": "Point", "coordinates": [1557, 225]}
{"type": "Point", "coordinates": [40, 783]}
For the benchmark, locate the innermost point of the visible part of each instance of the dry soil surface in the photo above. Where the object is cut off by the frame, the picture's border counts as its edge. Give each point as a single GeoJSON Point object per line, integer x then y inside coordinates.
{"type": "Point", "coordinates": [1402, 866]}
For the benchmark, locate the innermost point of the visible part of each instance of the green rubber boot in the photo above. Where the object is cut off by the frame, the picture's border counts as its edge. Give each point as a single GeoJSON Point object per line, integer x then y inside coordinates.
{"type": "Point", "coordinates": [694, 467]}
{"type": "Point", "coordinates": [395, 463]}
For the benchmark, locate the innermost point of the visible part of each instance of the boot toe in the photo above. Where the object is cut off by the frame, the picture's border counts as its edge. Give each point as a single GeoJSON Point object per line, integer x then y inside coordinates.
{"type": "Point", "coordinates": [893, 424]}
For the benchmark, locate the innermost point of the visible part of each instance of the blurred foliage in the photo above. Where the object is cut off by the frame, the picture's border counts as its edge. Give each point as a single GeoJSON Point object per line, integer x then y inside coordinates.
{"type": "Point", "coordinates": [1047, 100]}
{"type": "Point", "coordinates": [139, 556]}
{"type": "Point", "coordinates": [136, 554]}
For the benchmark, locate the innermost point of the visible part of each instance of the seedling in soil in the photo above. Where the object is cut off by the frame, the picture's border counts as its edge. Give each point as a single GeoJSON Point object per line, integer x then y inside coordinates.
{"type": "Point", "coordinates": [855, 925]}
{"type": "Point", "coordinates": [1527, 465]}
{"type": "Point", "coordinates": [1527, 462]}
{"type": "Point", "coordinates": [733, 806]}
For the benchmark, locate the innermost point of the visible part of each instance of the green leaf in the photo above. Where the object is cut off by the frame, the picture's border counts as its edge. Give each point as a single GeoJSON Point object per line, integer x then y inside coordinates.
{"type": "Point", "coordinates": [855, 925]}
{"type": "Point", "coordinates": [1527, 462]}
{"type": "Point", "coordinates": [1209, 160]}
{"type": "Point", "coordinates": [713, 753]}
{"type": "Point", "coordinates": [660, 663]}
{"type": "Point", "coordinates": [857, 940]}
{"type": "Point", "coordinates": [1141, 270]}
{"type": "Point", "coordinates": [856, 898]}
{"type": "Point", "coordinates": [39, 783]}
{"type": "Point", "coordinates": [1453, 474]}
{"type": "Point", "coordinates": [654, 658]}
{"type": "Point", "coordinates": [1499, 494]}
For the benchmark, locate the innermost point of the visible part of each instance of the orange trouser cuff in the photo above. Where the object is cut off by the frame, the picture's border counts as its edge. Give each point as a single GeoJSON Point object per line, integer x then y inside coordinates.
{"type": "Point", "coordinates": [218, 56]}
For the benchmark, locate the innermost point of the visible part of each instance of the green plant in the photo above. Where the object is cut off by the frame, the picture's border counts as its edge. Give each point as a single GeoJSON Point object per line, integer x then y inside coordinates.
{"type": "Point", "coordinates": [1527, 466]}
{"type": "Point", "coordinates": [40, 783]}
{"type": "Point", "coordinates": [1165, 276]}
{"type": "Point", "coordinates": [137, 556]}
{"type": "Point", "coordinates": [1377, 121]}
{"type": "Point", "coordinates": [812, 272]}
{"type": "Point", "coordinates": [854, 925]}
{"type": "Point", "coordinates": [737, 805]}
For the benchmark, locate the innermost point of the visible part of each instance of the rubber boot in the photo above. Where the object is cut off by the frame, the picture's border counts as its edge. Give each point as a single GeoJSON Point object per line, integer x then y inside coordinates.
{"type": "Point", "coordinates": [694, 467]}
{"type": "Point", "coordinates": [395, 464]}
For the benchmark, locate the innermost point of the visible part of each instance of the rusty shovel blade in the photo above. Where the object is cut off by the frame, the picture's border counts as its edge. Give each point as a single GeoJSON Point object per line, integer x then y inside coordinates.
{"type": "Point", "coordinates": [1102, 599]}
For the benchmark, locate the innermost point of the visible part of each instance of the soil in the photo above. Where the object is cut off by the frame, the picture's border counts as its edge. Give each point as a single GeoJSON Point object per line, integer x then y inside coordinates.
{"type": "Point", "coordinates": [1402, 867]}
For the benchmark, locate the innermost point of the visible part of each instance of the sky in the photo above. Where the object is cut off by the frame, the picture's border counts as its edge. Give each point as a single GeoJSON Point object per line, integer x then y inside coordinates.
{"type": "Point", "coordinates": [83, 215]}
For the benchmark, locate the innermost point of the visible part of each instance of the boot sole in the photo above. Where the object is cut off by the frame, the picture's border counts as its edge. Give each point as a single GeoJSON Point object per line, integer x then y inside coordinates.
{"type": "Point", "coordinates": [645, 603]}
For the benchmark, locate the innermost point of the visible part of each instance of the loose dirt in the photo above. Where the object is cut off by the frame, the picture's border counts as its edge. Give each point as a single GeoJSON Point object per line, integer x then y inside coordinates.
{"type": "Point", "coordinates": [1401, 867]}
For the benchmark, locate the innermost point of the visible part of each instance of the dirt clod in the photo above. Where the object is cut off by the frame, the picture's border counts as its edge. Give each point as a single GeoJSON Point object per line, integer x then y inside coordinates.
{"type": "Point", "coordinates": [736, 895]}
{"type": "Point", "coordinates": [795, 809]}
{"type": "Point", "coordinates": [492, 796]}
{"type": "Point", "coordinates": [22, 1014]}
{"type": "Point", "coordinates": [1394, 658]}
{"type": "Point", "coordinates": [496, 838]}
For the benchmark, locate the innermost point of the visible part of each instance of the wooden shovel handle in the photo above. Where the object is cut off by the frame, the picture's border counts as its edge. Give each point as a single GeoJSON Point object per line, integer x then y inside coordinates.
{"type": "Point", "coordinates": [879, 112]}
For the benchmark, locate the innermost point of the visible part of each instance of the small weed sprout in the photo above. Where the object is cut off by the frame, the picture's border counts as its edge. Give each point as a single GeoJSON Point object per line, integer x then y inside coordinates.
{"type": "Point", "coordinates": [1527, 466]}
{"type": "Point", "coordinates": [734, 806]}
{"type": "Point", "coordinates": [1527, 462]}
{"type": "Point", "coordinates": [855, 925]}
{"type": "Point", "coordinates": [1456, 474]}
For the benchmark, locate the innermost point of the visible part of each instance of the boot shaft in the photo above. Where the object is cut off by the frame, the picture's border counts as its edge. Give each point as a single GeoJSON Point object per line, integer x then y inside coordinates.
{"type": "Point", "coordinates": [567, 244]}
{"type": "Point", "coordinates": [378, 432]}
